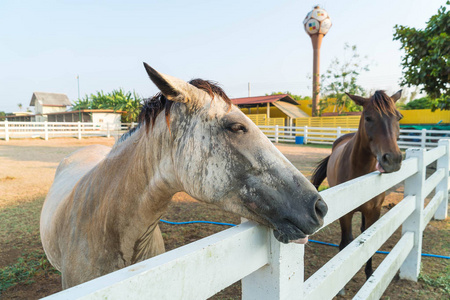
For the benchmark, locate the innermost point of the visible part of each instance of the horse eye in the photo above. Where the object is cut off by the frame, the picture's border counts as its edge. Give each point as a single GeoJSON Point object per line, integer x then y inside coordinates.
{"type": "Point", "coordinates": [236, 127]}
{"type": "Point", "coordinates": [368, 119]}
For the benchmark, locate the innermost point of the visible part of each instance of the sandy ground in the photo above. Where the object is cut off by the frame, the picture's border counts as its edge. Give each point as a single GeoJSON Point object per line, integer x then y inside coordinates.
{"type": "Point", "coordinates": [27, 167]}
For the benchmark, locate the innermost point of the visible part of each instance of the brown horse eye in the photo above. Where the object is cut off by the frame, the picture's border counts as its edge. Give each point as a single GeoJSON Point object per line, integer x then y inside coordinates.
{"type": "Point", "coordinates": [236, 127]}
{"type": "Point", "coordinates": [368, 119]}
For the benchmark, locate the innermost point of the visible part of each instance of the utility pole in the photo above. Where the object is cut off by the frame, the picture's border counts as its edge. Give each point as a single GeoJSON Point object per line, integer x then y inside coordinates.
{"type": "Point", "coordinates": [79, 112]}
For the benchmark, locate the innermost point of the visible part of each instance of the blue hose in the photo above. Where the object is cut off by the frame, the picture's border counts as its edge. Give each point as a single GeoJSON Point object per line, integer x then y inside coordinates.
{"type": "Point", "coordinates": [194, 222]}
{"type": "Point", "coordinates": [312, 241]}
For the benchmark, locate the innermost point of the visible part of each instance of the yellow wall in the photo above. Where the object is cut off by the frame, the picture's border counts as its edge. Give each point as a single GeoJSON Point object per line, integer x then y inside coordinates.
{"type": "Point", "coordinates": [425, 116]}
{"type": "Point", "coordinates": [306, 106]}
{"type": "Point", "coordinates": [261, 119]}
{"type": "Point", "coordinates": [342, 121]}
{"type": "Point", "coordinates": [416, 116]}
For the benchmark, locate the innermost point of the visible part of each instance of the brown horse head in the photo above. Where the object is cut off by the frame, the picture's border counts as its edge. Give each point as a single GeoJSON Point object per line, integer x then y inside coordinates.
{"type": "Point", "coordinates": [380, 128]}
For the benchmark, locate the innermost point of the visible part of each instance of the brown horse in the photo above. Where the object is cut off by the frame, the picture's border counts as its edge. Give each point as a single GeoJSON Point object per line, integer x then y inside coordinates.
{"type": "Point", "coordinates": [373, 147]}
{"type": "Point", "coordinates": [102, 211]}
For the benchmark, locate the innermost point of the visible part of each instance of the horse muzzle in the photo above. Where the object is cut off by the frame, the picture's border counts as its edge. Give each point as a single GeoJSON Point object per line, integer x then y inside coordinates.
{"type": "Point", "coordinates": [389, 162]}
{"type": "Point", "coordinates": [295, 227]}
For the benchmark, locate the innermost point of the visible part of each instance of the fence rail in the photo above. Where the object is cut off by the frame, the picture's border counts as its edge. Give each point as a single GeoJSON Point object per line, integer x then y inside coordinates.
{"type": "Point", "coordinates": [48, 130]}
{"type": "Point", "coordinates": [327, 135]}
{"type": "Point", "coordinates": [276, 133]}
{"type": "Point", "coordinates": [271, 270]}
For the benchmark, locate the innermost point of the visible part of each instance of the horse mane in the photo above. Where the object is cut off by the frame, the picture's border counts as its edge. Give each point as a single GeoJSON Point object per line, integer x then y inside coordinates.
{"type": "Point", "coordinates": [383, 104]}
{"type": "Point", "coordinates": [152, 107]}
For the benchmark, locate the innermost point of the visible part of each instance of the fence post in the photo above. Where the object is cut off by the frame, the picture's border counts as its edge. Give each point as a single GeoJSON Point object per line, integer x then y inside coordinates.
{"type": "Point", "coordinates": [45, 130]}
{"type": "Point", "coordinates": [443, 162]}
{"type": "Point", "coordinates": [132, 125]}
{"type": "Point", "coordinates": [6, 130]}
{"type": "Point", "coordinates": [276, 133]}
{"type": "Point", "coordinates": [291, 127]}
{"type": "Point", "coordinates": [305, 135]}
{"type": "Point", "coordinates": [79, 130]}
{"type": "Point", "coordinates": [338, 132]}
{"type": "Point", "coordinates": [108, 134]}
{"type": "Point", "coordinates": [423, 138]}
{"type": "Point", "coordinates": [282, 278]}
{"type": "Point", "coordinates": [414, 186]}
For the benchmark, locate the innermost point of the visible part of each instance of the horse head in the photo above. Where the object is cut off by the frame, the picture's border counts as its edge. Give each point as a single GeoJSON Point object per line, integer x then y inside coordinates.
{"type": "Point", "coordinates": [221, 157]}
{"type": "Point", "coordinates": [380, 126]}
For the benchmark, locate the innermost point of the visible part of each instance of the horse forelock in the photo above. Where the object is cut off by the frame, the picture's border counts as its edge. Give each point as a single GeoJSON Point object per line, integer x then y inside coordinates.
{"type": "Point", "coordinates": [383, 104]}
{"type": "Point", "coordinates": [152, 107]}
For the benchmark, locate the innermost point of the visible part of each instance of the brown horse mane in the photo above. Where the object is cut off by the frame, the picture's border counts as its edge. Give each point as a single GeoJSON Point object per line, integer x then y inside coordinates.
{"type": "Point", "coordinates": [152, 107]}
{"type": "Point", "coordinates": [383, 104]}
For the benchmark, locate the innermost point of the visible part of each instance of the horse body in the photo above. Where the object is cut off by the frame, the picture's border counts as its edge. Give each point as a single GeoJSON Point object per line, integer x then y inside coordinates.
{"type": "Point", "coordinates": [102, 211]}
{"type": "Point", "coordinates": [373, 147]}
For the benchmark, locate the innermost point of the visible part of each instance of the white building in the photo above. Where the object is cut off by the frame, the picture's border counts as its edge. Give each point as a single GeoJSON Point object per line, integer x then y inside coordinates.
{"type": "Point", "coordinates": [45, 103]}
{"type": "Point", "coordinates": [52, 107]}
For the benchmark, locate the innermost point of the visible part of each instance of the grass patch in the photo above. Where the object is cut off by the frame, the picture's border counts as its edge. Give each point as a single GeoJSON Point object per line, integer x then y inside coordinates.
{"type": "Point", "coordinates": [20, 221]}
{"type": "Point", "coordinates": [24, 270]}
{"type": "Point", "coordinates": [438, 281]}
{"type": "Point", "coordinates": [323, 188]}
{"type": "Point", "coordinates": [322, 146]}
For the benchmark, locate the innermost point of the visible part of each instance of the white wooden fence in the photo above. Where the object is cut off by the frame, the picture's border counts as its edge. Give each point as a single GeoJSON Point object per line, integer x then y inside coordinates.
{"type": "Point", "coordinates": [312, 135]}
{"type": "Point", "coordinates": [327, 135]}
{"type": "Point", "coordinates": [271, 270]}
{"type": "Point", "coordinates": [48, 130]}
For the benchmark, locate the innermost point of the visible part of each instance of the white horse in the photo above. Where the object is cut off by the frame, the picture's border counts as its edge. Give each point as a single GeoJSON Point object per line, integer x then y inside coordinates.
{"type": "Point", "coordinates": [102, 211]}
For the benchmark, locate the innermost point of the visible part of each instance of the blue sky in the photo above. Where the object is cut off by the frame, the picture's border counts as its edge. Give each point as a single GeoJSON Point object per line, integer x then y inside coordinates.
{"type": "Point", "coordinates": [44, 45]}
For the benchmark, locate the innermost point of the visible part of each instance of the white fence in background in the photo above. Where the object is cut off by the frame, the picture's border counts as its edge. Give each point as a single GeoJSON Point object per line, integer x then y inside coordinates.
{"type": "Point", "coordinates": [327, 135]}
{"type": "Point", "coordinates": [271, 270]}
{"type": "Point", "coordinates": [46, 130]}
{"type": "Point", "coordinates": [312, 135]}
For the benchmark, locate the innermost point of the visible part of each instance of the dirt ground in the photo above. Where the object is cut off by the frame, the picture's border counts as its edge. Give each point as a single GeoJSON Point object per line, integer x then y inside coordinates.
{"type": "Point", "coordinates": [27, 168]}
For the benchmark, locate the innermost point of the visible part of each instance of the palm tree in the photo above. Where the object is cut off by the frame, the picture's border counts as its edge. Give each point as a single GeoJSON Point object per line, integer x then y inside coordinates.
{"type": "Point", "coordinates": [20, 106]}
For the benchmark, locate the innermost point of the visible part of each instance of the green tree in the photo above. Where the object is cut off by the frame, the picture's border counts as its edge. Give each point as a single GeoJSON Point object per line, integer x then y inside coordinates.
{"type": "Point", "coordinates": [420, 103]}
{"type": "Point", "coordinates": [407, 96]}
{"type": "Point", "coordinates": [426, 61]}
{"type": "Point", "coordinates": [20, 106]}
{"type": "Point", "coordinates": [118, 100]}
{"type": "Point", "coordinates": [341, 77]}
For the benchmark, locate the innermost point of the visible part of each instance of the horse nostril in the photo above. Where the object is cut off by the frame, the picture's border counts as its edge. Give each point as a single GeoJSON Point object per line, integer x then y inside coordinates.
{"type": "Point", "coordinates": [321, 208]}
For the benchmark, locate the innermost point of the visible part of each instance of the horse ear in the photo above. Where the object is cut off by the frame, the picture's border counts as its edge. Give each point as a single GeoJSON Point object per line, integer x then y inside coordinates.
{"type": "Point", "coordinates": [174, 89]}
{"type": "Point", "coordinates": [357, 99]}
{"type": "Point", "coordinates": [396, 96]}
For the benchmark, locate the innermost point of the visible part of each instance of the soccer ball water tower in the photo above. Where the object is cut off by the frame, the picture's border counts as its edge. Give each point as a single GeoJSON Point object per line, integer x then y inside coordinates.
{"type": "Point", "coordinates": [316, 24]}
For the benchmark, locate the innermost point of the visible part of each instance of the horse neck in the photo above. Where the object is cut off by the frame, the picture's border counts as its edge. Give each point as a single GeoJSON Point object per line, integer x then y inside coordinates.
{"type": "Point", "coordinates": [144, 162]}
{"type": "Point", "coordinates": [136, 183]}
{"type": "Point", "coordinates": [361, 155]}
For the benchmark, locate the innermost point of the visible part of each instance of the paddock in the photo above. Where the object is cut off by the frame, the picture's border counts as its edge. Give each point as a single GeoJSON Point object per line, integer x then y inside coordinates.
{"type": "Point", "coordinates": [310, 250]}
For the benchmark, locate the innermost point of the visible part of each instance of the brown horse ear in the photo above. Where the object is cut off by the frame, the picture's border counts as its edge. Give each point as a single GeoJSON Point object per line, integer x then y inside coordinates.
{"type": "Point", "coordinates": [357, 99]}
{"type": "Point", "coordinates": [175, 89]}
{"type": "Point", "coordinates": [397, 96]}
